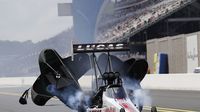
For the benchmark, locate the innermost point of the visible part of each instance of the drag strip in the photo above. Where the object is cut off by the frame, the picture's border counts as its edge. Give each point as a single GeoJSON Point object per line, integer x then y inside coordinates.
{"type": "Point", "coordinates": [9, 102]}
{"type": "Point", "coordinates": [165, 100]}
{"type": "Point", "coordinates": [175, 101]}
{"type": "Point", "coordinates": [161, 109]}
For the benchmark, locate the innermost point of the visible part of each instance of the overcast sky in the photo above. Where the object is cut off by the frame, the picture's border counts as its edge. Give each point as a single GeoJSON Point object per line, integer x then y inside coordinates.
{"type": "Point", "coordinates": [34, 20]}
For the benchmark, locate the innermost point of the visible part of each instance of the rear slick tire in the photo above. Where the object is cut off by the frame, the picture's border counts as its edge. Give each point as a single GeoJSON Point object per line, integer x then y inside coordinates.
{"type": "Point", "coordinates": [153, 109]}
{"type": "Point", "coordinates": [122, 110]}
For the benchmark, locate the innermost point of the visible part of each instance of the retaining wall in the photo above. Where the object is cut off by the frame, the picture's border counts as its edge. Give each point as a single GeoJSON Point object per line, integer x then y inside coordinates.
{"type": "Point", "coordinates": [151, 81]}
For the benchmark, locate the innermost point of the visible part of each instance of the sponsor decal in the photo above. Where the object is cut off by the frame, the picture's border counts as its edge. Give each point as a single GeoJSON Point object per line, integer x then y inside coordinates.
{"type": "Point", "coordinates": [125, 105]}
{"type": "Point", "coordinates": [100, 47]}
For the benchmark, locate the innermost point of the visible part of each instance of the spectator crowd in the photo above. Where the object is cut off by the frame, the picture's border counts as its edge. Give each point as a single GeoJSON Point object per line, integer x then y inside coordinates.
{"type": "Point", "coordinates": [128, 20]}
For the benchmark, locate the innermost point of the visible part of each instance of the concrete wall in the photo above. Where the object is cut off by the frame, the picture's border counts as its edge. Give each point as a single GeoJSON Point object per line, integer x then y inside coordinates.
{"type": "Point", "coordinates": [172, 82]}
{"type": "Point", "coordinates": [151, 81]}
{"type": "Point", "coordinates": [17, 81]}
{"type": "Point", "coordinates": [177, 56]}
{"type": "Point", "coordinates": [161, 82]}
{"type": "Point", "coordinates": [176, 48]}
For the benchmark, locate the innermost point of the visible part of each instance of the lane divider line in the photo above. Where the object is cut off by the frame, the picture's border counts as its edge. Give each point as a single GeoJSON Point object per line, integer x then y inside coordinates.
{"type": "Point", "coordinates": [10, 94]}
{"type": "Point", "coordinates": [161, 109]}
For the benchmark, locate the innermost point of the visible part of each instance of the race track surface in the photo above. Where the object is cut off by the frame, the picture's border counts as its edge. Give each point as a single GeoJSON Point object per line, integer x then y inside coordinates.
{"type": "Point", "coordinates": [175, 101]}
{"type": "Point", "coordinates": [165, 100]}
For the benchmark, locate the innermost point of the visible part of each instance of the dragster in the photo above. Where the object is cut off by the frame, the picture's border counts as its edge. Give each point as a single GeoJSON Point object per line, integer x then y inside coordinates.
{"type": "Point", "coordinates": [59, 78]}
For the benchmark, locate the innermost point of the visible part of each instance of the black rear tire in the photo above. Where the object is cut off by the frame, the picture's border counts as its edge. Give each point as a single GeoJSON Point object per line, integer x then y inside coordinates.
{"type": "Point", "coordinates": [122, 110]}
{"type": "Point", "coordinates": [153, 109]}
{"type": "Point", "coordinates": [140, 108]}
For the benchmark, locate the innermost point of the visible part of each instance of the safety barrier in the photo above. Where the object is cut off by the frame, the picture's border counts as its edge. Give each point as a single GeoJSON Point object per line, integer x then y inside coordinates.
{"type": "Point", "coordinates": [172, 82]}
{"type": "Point", "coordinates": [17, 81]}
{"type": "Point", "coordinates": [151, 81]}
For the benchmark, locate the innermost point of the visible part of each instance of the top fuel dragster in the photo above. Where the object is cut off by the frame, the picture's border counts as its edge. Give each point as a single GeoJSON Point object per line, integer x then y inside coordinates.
{"type": "Point", "coordinates": [59, 77]}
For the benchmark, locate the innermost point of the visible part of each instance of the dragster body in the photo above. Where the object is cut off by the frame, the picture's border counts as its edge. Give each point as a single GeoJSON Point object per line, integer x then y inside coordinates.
{"type": "Point", "coordinates": [59, 77]}
{"type": "Point", "coordinates": [116, 97]}
{"type": "Point", "coordinates": [115, 103]}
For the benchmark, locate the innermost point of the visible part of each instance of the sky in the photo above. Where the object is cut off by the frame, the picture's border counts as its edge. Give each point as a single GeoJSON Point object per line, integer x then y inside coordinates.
{"type": "Point", "coordinates": [36, 20]}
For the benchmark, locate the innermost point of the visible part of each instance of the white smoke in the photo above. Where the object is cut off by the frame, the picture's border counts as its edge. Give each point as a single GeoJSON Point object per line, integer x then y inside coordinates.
{"type": "Point", "coordinates": [142, 97]}
{"type": "Point", "coordinates": [137, 95]}
{"type": "Point", "coordinates": [75, 100]}
{"type": "Point", "coordinates": [71, 97]}
{"type": "Point", "coordinates": [78, 99]}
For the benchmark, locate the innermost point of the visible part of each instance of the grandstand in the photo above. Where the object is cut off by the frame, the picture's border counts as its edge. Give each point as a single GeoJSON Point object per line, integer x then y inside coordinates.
{"type": "Point", "coordinates": [147, 20]}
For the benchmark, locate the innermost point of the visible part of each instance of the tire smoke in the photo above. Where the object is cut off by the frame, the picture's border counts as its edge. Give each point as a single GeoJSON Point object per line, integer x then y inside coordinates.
{"type": "Point", "coordinates": [71, 97]}
{"type": "Point", "coordinates": [137, 95]}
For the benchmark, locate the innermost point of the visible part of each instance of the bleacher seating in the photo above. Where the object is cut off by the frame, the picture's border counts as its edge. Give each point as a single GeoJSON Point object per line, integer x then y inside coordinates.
{"type": "Point", "coordinates": [134, 23]}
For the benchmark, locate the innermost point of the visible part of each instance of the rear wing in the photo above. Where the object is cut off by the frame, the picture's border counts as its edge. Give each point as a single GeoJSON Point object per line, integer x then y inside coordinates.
{"type": "Point", "coordinates": [100, 47]}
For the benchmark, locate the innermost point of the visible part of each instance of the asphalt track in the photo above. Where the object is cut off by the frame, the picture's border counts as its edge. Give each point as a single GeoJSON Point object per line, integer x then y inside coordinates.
{"type": "Point", "coordinates": [175, 101]}
{"type": "Point", "coordinates": [165, 100]}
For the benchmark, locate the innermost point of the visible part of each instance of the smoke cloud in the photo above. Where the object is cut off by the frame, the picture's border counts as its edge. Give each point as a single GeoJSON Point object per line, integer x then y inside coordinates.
{"type": "Point", "coordinates": [76, 99]}
{"type": "Point", "coordinates": [137, 95]}
{"type": "Point", "coordinates": [71, 97]}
